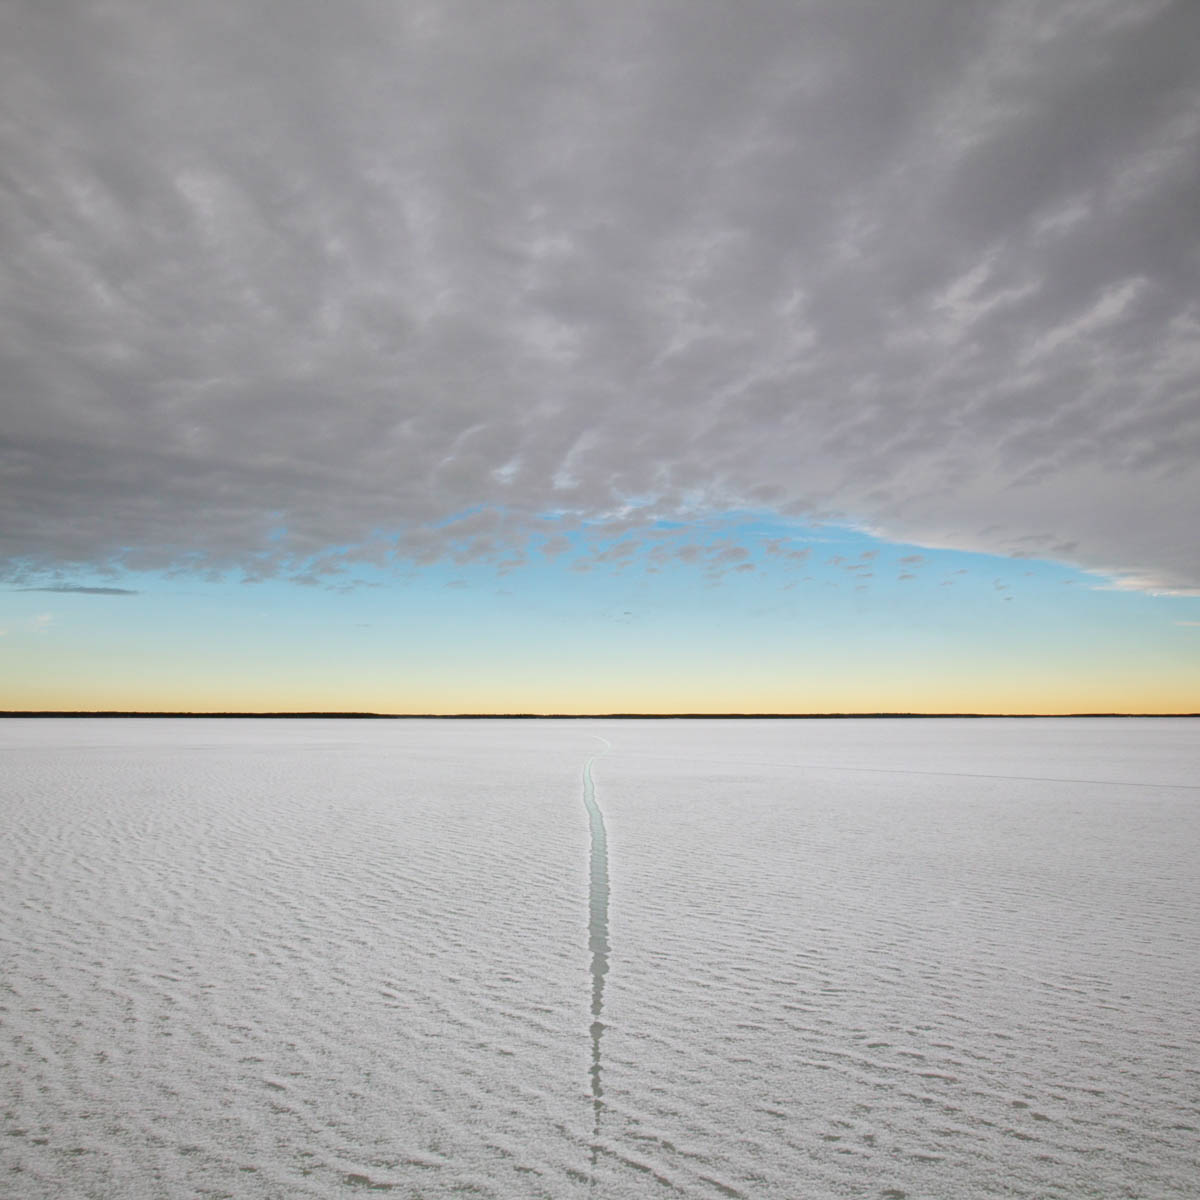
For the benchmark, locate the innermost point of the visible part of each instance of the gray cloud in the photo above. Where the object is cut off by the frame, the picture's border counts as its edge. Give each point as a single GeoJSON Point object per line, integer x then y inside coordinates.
{"type": "Point", "coordinates": [290, 288]}
{"type": "Point", "coordinates": [80, 590]}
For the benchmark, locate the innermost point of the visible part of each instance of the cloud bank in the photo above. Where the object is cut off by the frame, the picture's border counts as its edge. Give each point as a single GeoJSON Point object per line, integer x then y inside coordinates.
{"type": "Point", "coordinates": [289, 285]}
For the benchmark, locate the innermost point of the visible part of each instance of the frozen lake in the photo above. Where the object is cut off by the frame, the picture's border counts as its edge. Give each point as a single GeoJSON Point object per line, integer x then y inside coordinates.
{"type": "Point", "coordinates": [521, 959]}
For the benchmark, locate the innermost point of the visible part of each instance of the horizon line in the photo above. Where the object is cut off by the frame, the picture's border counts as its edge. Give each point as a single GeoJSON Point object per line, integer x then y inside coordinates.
{"type": "Point", "coordinates": [571, 716]}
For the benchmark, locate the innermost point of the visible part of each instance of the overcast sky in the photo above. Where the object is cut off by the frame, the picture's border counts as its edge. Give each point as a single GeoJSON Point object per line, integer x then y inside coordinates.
{"type": "Point", "coordinates": [288, 283]}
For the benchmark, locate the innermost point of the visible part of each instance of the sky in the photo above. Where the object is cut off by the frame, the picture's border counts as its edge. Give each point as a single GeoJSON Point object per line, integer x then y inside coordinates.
{"type": "Point", "coordinates": [818, 355]}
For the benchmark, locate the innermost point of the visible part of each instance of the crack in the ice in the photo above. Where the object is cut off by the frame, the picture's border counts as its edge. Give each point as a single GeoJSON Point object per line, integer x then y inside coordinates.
{"type": "Point", "coordinates": [597, 934]}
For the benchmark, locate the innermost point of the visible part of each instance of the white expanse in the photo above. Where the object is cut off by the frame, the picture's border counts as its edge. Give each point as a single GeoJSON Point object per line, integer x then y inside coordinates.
{"type": "Point", "coordinates": [843, 958]}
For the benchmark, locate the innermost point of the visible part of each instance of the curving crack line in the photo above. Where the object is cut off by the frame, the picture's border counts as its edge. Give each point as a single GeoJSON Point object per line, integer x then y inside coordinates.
{"type": "Point", "coordinates": [597, 932]}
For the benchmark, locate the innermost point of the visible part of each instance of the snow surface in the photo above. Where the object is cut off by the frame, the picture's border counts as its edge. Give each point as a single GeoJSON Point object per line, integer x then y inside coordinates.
{"type": "Point", "coordinates": [724, 958]}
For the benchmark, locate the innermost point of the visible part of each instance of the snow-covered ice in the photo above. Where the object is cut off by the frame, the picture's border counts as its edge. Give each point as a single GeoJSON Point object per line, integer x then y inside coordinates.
{"type": "Point", "coordinates": [711, 958]}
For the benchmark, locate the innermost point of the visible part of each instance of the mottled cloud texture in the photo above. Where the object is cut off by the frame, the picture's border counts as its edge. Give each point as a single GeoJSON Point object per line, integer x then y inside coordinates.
{"type": "Point", "coordinates": [287, 284]}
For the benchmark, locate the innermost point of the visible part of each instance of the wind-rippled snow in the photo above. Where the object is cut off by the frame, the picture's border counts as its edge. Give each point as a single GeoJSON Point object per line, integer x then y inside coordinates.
{"type": "Point", "coordinates": [834, 958]}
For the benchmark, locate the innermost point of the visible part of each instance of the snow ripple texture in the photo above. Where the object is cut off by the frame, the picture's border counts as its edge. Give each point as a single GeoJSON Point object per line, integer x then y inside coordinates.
{"type": "Point", "coordinates": [878, 959]}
